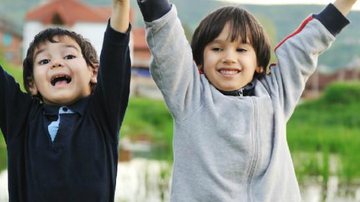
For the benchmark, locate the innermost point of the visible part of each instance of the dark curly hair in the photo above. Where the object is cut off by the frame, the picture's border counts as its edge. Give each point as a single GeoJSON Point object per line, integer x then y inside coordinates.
{"type": "Point", "coordinates": [47, 35]}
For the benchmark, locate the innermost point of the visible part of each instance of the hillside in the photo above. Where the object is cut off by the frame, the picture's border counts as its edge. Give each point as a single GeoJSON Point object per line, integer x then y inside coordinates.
{"type": "Point", "coordinates": [279, 20]}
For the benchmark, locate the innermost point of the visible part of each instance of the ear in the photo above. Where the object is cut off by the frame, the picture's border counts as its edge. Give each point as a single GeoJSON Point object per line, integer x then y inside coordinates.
{"type": "Point", "coordinates": [32, 87]}
{"type": "Point", "coordinates": [200, 68]}
{"type": "Point", "coordinates": [259, 70]}
{"type": "Point", "coordinates": [94, 73]}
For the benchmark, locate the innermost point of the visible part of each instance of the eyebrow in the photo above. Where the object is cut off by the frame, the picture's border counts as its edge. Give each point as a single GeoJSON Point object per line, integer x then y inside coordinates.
{"type": "Point", "coordinates": [217, 41]}
{"type": "Point", "coordinates": [66, 46]}
{"type": "Point", "coordinates": [38, 52]}
{"type": "Point", "coordinates": [220, 41]}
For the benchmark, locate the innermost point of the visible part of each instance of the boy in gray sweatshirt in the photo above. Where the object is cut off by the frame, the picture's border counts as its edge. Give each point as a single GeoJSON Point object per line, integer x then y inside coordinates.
{"type": "Point", "coordinates": [230, 116]}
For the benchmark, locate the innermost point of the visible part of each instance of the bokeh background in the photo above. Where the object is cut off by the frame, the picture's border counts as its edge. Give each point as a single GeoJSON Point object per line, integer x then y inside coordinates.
{"type": "Point", "coordinates": [323, 133]}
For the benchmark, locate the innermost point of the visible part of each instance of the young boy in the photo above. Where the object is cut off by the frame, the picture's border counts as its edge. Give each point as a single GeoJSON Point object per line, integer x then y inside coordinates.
{"type": "Point", "coordinates": [230, 118]}
{"type": "Point", "coordinates": [62, 137]}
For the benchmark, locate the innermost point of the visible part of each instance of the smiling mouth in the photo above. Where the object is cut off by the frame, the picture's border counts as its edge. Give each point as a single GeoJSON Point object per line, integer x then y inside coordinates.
{"type": "Point", "coordinates": [229, 72]}
{"type": "Point", "coordinates": [61, 78]}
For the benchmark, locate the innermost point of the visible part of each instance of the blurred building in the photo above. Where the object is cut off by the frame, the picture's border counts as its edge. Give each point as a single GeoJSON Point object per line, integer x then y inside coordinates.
{"type": "Point", "coordinates": [70, 14]}
{"type": "Point", "coordinates": [10, 42]}
{"type": "Point", "coordinates": [90, 22]}
{"type": "Point", "coordinates": [320, 79]}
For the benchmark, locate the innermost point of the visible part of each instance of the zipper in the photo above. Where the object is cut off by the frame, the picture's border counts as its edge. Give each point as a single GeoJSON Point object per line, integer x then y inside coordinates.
{"type": "Point", "coordinates": [256, 152]}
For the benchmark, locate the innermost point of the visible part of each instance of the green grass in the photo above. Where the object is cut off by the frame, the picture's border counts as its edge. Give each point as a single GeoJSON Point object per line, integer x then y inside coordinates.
{"type": "Point", "coordinates": [149, 119]}
{"type": "Point", "coordinates": [15, 71]}
{"type": "Point", "coordinates": [328, 126]}
{"type": "Point", "coordinates": [3, 163]}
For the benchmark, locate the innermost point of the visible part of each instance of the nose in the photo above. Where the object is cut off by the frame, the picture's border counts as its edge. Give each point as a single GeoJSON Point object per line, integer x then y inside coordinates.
{"type": "Point", "coordinates": [57, 63]}
{"type": "Point", "coordinates": [228, 61]}
{"type": "Point", "coordinates": [229, 57]}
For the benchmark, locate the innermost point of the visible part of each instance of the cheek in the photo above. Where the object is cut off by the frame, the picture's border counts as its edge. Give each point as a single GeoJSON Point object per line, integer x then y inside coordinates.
{"type": "Point", "coordinates": [87, 76]}
{"type": "Point", "coordinates": [209, 60]}
{"type": "Point", "coordinates": [38, 75]}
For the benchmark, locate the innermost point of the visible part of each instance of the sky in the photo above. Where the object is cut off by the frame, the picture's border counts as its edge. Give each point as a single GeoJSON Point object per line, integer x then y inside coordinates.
{"type": "Point", "coordinates": [356, 6]}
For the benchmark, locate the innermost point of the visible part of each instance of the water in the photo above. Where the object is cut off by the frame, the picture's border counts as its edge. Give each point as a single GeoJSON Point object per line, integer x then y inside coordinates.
{"type": "Point", "coordinates": [4, 196]}
{"type": "Point", "coordinates": [141, 180]}
{"type": "Point", "coordinates": [313, 191]}
{"type": "Point", "coordinates": [138, 180]}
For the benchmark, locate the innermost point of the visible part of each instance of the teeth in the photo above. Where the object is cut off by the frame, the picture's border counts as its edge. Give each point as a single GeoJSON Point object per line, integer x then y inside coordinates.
{"type": "Point", "coordinates": [60, 77]}
{"type": "Point", "coordinates": [229, 72]}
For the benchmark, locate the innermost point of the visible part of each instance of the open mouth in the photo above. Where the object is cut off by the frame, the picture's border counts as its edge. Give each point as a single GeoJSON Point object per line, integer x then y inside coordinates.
{"type": "Point", "coordinates": [60, 79]}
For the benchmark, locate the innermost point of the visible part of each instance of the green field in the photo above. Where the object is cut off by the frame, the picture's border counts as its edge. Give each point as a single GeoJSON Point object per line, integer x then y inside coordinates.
{"type": "Point", "coordinates": [150, 120]}
{"type": "Point", "coordinates": [329, 126]}
{"type": "Point", "coordinates": [318, 130]}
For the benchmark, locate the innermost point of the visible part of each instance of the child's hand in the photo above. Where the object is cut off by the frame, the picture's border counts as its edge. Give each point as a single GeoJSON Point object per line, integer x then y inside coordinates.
{"type": "Point", "coordinates": [344, 6]}
{"type": "Point", "coordinates": [121, 1]}
{"type": "Point", "coordinates": [120, 15]}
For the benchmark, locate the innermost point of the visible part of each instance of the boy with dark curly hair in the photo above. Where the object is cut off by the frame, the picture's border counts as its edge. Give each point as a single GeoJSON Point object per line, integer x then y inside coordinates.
{"type": "Point", "coordinates": [62, 137]}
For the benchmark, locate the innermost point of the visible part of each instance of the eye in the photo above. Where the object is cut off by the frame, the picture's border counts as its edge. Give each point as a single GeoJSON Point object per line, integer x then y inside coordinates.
{"type": "Point", "coordinates": [43, 61]}
{"type": "Point", "coordinates": [69, 57]}
{"type": "Point", "coordinates": [216, 49]}
{"type": "Point", "coordinates": [241, 50]}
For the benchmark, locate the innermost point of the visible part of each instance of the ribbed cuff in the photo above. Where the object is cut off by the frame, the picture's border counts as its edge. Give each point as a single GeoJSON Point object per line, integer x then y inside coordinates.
{"type": "Point", "coordinates": [153, 9]}
{"type": "Point", "coordinates": [332, 19]}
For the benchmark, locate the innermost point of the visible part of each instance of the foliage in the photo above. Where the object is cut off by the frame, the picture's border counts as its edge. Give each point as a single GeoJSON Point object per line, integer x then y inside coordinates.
{"type": "Point", "coordinates": [329, 126]}
{"type": "Point", "coordinates": [150, 119]}
{"type": "Point", "coordinates": [342, 94]}
{"type": "Point", "coordinates": [2, 152]}
{"type": "Point", "coordinates": [15, 71]}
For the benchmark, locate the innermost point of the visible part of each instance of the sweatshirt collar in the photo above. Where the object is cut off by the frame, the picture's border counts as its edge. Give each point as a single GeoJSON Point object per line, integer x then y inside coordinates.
{"type": "Point", "coordinates": [78, 107]}
{"type": "Point", "coordinates": [248, 90]}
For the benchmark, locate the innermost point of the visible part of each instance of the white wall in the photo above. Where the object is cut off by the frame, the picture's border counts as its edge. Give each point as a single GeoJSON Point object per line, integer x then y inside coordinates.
{"type": "Point", "coordinates": [94, 32]}
{"type": "Point", "coordinates": [30, 30]}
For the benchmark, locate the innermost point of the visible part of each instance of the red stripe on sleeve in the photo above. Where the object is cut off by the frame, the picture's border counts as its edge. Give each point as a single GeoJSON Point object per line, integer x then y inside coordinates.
{"type": "Point", "coordinates": [298, 30]}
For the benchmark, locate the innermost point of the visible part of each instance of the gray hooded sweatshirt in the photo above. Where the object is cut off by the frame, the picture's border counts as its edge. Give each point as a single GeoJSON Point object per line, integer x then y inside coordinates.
{"type": "Point", "coordinates": [234, 148]}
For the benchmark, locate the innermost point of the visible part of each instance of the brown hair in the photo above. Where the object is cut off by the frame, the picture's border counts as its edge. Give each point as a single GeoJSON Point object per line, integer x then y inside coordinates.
{"type": "Point", "coordinates": [243, 25]}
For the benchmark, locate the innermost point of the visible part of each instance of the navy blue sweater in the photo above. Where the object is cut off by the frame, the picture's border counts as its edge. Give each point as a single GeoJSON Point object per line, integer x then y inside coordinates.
{"type": "Point", "coordinates": [81, 163]}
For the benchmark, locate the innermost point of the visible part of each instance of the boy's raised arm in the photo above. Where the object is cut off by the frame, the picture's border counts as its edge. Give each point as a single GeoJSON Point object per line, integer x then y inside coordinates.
{"type": "Point", "coordinates": [344, 6]}
{"type": "Point", "coordinates": [120, 15]}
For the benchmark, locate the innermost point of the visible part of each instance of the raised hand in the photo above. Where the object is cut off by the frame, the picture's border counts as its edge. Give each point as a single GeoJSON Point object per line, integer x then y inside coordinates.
{"type": "Point", "coordinates": [344, 6]}
{"type": "Point", "coordinates": [120, 15]}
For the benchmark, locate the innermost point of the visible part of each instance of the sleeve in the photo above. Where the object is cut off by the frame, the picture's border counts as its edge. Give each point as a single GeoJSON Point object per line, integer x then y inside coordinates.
{"type": "Point", "coordinates": [172, 66]}
{"type": "Point", "coordinates": [113, 82]}
{"type": "Point", "coordinates": [14, 105]}
{"type": "Point", "coordinates": [153, 9]}
{"type": "Point", "coordinates": [298, 56]}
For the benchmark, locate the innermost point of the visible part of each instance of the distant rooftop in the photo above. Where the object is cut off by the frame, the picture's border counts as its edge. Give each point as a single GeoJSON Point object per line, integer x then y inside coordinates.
{"type": "Point", "coordinates": [67, 12]}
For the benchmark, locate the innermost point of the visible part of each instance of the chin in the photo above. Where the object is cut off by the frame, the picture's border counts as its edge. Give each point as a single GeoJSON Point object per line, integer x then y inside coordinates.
{"type": "Point", "coordinates": [61, 101]}
{"type": "Point", "coordinates": [229, 88]}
